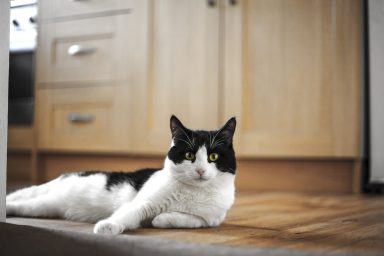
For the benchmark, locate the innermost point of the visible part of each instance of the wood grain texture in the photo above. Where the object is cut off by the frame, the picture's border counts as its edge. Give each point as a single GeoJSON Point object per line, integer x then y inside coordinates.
{"type": "Point", "coordinates": [105, 84]}
{"type": "Point", "coordinates": [19, 165]}
{"type": "Point", "coordinates": [292, 77]}
{"type": "Point", "coordinates": [290, 72]}
{"type": "Point", "coordinates": [59, 8]}
{"type": "Point", "coordinates": [310, 222]}
{"type": "Point", "coordinates": [323, 176]}
{"type": "Point", "coordinates": [182, 71]}
{"type": "Point", "coordinates": [20, 138]}
{"type": "Point", "coordinates": [106, 37]}
{"type": "Point", "coordinates": [56, 131]}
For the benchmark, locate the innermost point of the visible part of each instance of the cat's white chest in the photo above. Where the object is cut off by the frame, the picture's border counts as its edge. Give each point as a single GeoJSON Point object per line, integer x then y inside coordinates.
{"type": "Point", "coordinates": [210, 203]}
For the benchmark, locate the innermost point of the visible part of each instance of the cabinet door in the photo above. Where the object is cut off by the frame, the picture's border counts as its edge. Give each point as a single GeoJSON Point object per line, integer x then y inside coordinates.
{"type": "Point", "coordinates": [86, 98]}
{"type": "Point", "coordinates": [182, 68]}
{"type": "Point", "coordinates": [79, 119]}
{"type": "Point", "coordinates": [292, 77]}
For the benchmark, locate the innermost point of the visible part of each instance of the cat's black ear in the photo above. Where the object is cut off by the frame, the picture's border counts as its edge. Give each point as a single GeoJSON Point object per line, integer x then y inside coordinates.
{"type": "Point", "coordinates": [228, 130]}
{"type": "Point", "coordinates": [176, 126]}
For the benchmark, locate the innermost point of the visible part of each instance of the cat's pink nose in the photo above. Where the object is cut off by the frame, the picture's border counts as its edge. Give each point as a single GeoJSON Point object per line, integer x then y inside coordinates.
{"type": "Point", "coordinates": [200, 172]}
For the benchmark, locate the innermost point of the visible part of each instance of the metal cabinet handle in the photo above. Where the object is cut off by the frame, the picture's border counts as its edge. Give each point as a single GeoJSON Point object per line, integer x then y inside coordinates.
{"type": "Point", "coordinates": [80, 118]}
{"type": "Point", "coordinates": [78, 49]}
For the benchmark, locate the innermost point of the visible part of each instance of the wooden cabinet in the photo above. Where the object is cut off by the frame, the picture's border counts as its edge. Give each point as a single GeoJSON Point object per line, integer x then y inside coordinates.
{"type": "Point", "coordinates": [288, 70]}
{"type": "Point", "coordinates": [111, 73]}
{"type": "Point", "coordinates": [292, 77]}
{"type": "Point", "coordinates": [88, 72]}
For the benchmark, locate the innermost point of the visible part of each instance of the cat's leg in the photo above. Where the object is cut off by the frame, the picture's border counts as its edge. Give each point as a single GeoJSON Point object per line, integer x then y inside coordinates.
{"type": "Point", "coordinates": [32, 191]}
{"type": "Point", "coordinates": [41, 206]}
{"type": "Point", "coordinates": [26, 193]}
{"type": "Point", "coordinates": [128, 216]}
{"type": "Point", "coordinates": [178, 220]}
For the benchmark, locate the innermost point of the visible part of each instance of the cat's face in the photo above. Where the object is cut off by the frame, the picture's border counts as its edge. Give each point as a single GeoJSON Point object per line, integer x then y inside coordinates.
{"type": "Point", "coordinates": [198, 157]}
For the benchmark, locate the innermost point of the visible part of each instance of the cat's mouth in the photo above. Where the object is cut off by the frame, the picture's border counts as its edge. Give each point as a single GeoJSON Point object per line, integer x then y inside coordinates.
{"type": "Point", "coordinates": [201, 179]}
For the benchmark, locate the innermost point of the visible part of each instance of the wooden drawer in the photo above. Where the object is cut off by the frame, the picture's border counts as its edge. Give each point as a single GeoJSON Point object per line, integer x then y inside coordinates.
{"type": "Point", "coordinates": [65, 8]}
{"type": "Point", "coordinates": [76, 119]}
{"type": "Point", "coordinates": [85, 51]}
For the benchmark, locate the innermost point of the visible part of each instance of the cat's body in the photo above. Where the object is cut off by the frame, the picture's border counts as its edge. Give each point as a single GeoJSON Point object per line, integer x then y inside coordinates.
{"type": "Point", "coordinates": [194, 189]}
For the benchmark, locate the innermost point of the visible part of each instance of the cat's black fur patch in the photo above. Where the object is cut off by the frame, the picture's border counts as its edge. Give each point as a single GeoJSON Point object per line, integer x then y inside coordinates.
{"type": "Point", "coordinates": [135, 179]}
{"type": "Point", "coordinates": [220, 142]}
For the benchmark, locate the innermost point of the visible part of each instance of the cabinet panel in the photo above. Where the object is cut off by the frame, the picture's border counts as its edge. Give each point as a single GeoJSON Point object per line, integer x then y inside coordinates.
{"type": "Point", "coordinates": [292, 76]}
{"type": "Point", "coordinates": [101, 85]}
{"type": "Point", "coordinates": [183, 57]}
{"type": "Point", "coordinates": [86, 51]}
{"type": "Point", "coordinates": [79, 119]}
{"type": "Point", "coordinates": [64, 8]}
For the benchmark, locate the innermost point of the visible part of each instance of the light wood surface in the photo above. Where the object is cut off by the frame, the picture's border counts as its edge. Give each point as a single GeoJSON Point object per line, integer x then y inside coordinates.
{"type": "Point", "coordinates": [102, 63]}
{"type": "Point", "coordinates": [290, 73]}
{"type": "Point", "coordinates": [182, 71]}
{"type": "Point", "coordinates": [56, 130]}
{"type": "Point", "coordinates": [20, 138]}
{"type": "Point", "coordinates": [19, 165]}
{"type": "Point", "coordinates": [104, 84]}
{"type": "Point", "coordinates": [63, 8]}
{"type": "Point", "coordinates": [292, 77]}
{"type": "Point", "coordinates": [309, 222]}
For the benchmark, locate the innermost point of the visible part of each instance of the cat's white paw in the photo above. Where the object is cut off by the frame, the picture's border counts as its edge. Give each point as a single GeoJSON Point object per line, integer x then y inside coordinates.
{"type": "Point", "coordinates": [107, 227]}
{"type": "Point", "coordinates": [161, 221]}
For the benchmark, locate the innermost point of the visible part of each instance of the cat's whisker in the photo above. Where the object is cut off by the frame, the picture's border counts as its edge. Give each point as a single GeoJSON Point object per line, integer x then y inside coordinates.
{"type": "Point", "coordinates": [218, 143]}
{"type": "Point", "coordinates": [189, 139]}
{"type": "Point", "coordinates": [189, 144]}
{"type": "Point", "coordinates": [210, 139]}
{"type": "Point", "coordinates": [216, 135]}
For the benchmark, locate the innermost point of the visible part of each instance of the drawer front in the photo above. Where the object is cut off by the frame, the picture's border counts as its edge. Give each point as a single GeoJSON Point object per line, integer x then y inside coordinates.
{"type": "Point", "coordinates": [75, 119]}
{"type": "Point", "coordinates": [64, 8]}
{"type": "Point", "coordinates": [83, 51]}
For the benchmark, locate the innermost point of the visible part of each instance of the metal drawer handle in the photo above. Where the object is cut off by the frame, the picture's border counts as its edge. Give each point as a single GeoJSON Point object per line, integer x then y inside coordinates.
{"type": "Point", "coordinates": [77, 49]}
{"type": "Point", "coordinates": [80, 118]}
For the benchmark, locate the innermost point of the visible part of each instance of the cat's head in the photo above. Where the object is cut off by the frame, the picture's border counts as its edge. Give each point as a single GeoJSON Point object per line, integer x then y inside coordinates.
{"type": "Point", "coordinates": [199, 157]}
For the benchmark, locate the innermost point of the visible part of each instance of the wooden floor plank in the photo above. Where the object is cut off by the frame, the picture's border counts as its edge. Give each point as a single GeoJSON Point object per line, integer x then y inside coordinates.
{"type": "Point", "coordinates": [325, 223]}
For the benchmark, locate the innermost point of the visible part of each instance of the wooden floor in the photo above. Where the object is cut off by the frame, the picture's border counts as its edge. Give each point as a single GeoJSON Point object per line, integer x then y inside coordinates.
{"type": "Point", "coordinates": [325, 223]}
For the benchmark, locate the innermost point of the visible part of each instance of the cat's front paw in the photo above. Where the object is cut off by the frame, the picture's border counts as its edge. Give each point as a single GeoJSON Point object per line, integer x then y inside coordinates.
{"type": "Point", "coordinates": [161, 221]}
{"type": "Point", "coordinates": [107, 227]}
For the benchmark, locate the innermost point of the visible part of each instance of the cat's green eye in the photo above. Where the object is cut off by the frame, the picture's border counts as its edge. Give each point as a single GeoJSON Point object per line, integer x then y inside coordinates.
{"type": "Point", "coordinates": [189, 156]}
{"type": "Point", "coordinates": [213, 157]}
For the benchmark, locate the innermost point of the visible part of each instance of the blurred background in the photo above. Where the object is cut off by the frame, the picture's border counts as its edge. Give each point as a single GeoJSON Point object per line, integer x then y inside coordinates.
{"type": "Point", "coordinates": [92, 86]}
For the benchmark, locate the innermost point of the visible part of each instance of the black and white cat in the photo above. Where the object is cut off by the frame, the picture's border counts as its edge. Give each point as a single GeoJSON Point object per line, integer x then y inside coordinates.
{"type": "Point", "coordinates": [194, 189]}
